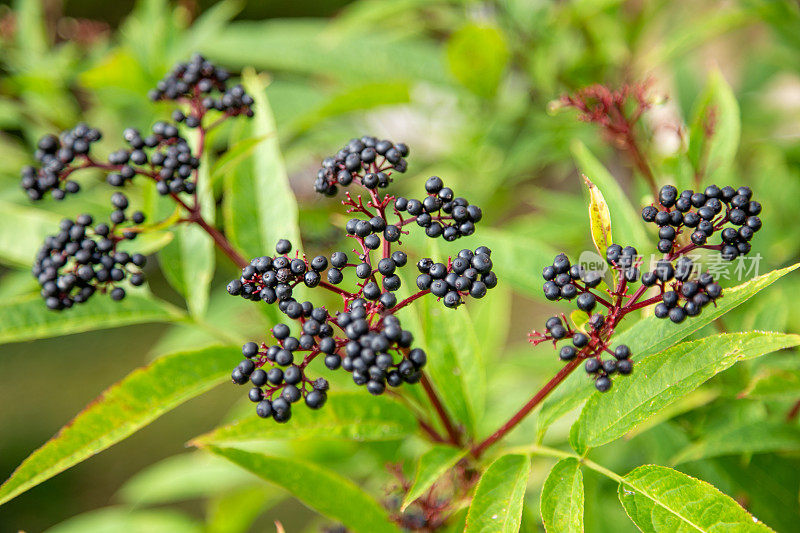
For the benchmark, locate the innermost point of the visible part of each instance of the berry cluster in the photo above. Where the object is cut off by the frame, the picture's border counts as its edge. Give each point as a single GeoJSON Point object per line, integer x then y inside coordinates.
{"type": "Point", "coordinates": [367, 161]}
{"type": "Point", "coordinates": [371, 345]}
{"type": "Point", "coordinates": [204, 86]}
{"type": "Point", "coordinates": [470, 273]}
{"type": "Point", "coordinates": [284, 382]}
{"type": "Point", "coordinates": [459, 217]}
{"type": "Point", "coordinates": [74, 264]}
{"type": "Point", "coordinates": [705, 213]}
{"type": "Point", "coordinates": [164, 155]}
{"type": "Point", "coordinates": [59, 157]}
{"type": "Point", "coordinates": [82, 259]}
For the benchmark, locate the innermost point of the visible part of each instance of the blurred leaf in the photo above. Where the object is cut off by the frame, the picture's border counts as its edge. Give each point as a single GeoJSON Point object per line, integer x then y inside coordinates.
{"type": "Point", "coordinates": [477, 57]}
{"type": "Point", "coordinates": [497, 503]}
{"type": "Point", "coordinates": [750, 438]}
{"type": "Point", "coordinates": [519, 255]}
{"type": "Point", "coordinates": [233, 156]}
{"type": "Point", "coordinates": [30, 32]}
{"type": "Point", "coordinates": [306, 47]}
{"type": "Point", "coordinates": [121, 410]}
{"type": "Point", "coordinates": [359, 98]}
{"type": "Point", "coordinates": [431, 466]}
{"type": "Point", "coordinates": [119, 70]}
{"type": "Point", "coordinates": [658, 499]}
{"type": "Point", "coordinates": [188, 261]}
{"type": "Point", "coordinates": [26, 317]}
{"type": "Point", "coordinates": [562, 497]}
{"type": "Point", "coordinates": [624, 218]}
{"type": "Point", "coordinates": [715, 129]}
{"type": "Point", "coordinates": [259, 205]}
{"type": "Point", "coordinates": [22, 232]}
{"type": "Point", "coordinates": [122, 520]}
{"type": "Point", "coordinates": [599, 219]}
{"type": "Point", "coordinates": [345, 416]}
{"type": "Point", "coordinates": [186, 476]}
{"type": "Point", "coordinates": [772, 384]}
{"type": "Point", "coordinates": [648, 336]}
{"type": "Point", "coordinates": [665, 377]}
{"type": "Point", "coordinates": [323, 490]}
{"type": "Point", "coordinates": [235, 511]}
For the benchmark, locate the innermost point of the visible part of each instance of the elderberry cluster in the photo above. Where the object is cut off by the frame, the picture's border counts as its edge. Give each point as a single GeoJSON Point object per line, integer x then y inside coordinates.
{"type": "Point", "coordinates": [705, 213]}
{"type": "Point", "coordinates": [470, 273]}
{"type": "Point", "coordinates": [278, 378]}
{"type": "Point", "coordinates": [589, 347]}
{"type": "Point", "coordinates": [83, 259]}
{"type": "Point", "coordinates": [58, 157]}
{"type": "Point", "coordinates": [204, 85]}
{"type": "Point", "coordinates": [459, 217]}
{"type": "Point", "coordinates": [366, 161]}
{"type": "Point", "coordinates": [164, 155]}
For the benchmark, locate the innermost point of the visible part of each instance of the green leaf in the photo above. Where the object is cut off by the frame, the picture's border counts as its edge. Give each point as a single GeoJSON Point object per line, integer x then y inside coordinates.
{"type": "Point", "coordinates": [659, 499]}
{"type": "Point", "coordinates": [323, 490]}
{"type": "Point", "coordinates": [124, 520]}
{"type": "Point", "coordinates": [715, 129]}
{"type": "Point", "coordinates": [497, 503]}
{"type": "Point", "coordinates": [188, 261]}
{"type": "Point", "coordinates": [232, 157]}
{"type": "Point", "coordinates": [235, 511]}
{"type": "Point", "coordinates": [30, 31]}
{"type": "Point", "coordinates": [121, 410]}
{"type": "Point", "coordinates": [182, 477]}
{"type": "Point", "coordinates": [26, 317]}
{"type": "Point", "coordinates": [259, 205]}
{"type": "Point", "coordinates": [477, 56]}
{"type": "Point", "coordinates": [624, 217]}
{"type": "Point", "coordinates": [647, 336]}
{"type": "Point", "coordinates": [663, 378]}
{"type": "Point", "coordinates": [599, 218]}
{"type": "Point", "coordinates": [22, 232]}
{"type": "Point", "coordinates": [773, 383]}
{"type": "Point", "coordinates": [521, 255]}
{"type": "Point", "coordinates": [561, 503]}
{"type": "Point", "coordinates": [345, 416]}
{"type": "Point", "coordinates": [755, 437]}
{"type": "Point", "coordinates": [431, 466]}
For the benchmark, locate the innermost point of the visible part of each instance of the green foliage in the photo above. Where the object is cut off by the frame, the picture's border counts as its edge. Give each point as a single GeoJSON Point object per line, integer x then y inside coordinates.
{"type": "Point", "coordinates": [498, 500]}
{"type": "Point", "coordinates": [431, 466]}
{"type": "Point", "coordinates": [562, 497]}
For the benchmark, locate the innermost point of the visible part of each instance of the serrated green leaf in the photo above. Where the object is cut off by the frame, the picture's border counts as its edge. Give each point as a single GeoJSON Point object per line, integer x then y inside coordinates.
{"type": "Point", "coordinates": [477, 56]}
{"type": "Point", "coordinates": [121, 410]}
{"type": "Point", "coordinates": [624, 219]}
{"type": "Point", "coordinates": [561, 503]}
{"type": "Point", "coordinates": [188, 261]}
{"type": "Point", "coordinates": [26, 317]}
{"type": "Point", "coordinates": [124, 520]}
{"type": "Point", "coordinates": [259, 205]}
{"type": "Point", "coordinates": [663, 378]}
{"type": "Point", "coordinates": [323, 490]}
{"type": "Point", "coordinates": [599, 218]}
{"type": "Point", "coordinates": [647, 336]}
{"type": "Point", "coordinates": [497, 503]}
{"type": "Point", "coordinates": [345, 416]}
{"type": "Point", "coordinates": [431, 466]}
{"type": "Point", "coordinates": [715, 129]}
{"type": "Point", "coordinates": [183, 477]}
{"type": "Point", "coordinates": [659, 499]}
{"type": "Point", "coordinates": [762, 436]}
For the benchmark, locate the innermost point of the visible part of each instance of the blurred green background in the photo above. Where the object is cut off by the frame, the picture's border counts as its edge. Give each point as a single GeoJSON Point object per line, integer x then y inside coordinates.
{"type": "Point", "coordinates": [467, 85]}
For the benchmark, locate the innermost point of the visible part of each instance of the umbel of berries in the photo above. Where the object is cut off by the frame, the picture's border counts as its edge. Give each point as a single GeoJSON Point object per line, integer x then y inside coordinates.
{"type": "Point", "coordinates": [84, 259]}
{"type": "Point", "coordinates": [364, 337]}
{"type": "Point", "coordinates": [674, 285]}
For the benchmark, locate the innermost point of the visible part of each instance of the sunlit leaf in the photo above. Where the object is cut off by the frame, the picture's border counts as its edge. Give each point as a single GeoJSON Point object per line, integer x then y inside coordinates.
{"type": "Point", "coordinates": [562, 497]}
{"type": "Point", "coordinates": [497, 503]}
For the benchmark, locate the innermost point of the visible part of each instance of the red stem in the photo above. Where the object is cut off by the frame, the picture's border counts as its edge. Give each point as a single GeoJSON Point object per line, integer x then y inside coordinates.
{"type": "Point", "coordinates": [527, 408]}
{"type": "Point", "coordinates": [453, 435]}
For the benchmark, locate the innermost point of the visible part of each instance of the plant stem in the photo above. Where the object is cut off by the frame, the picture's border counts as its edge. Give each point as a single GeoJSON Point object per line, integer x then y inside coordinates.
{"type": "Point", "coordinates": [440, 411]}
{"type": "Point", "coordinates": [527, 408]}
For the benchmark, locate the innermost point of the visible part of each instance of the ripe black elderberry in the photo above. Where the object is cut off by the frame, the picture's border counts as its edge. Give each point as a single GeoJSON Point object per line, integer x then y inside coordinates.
{"type": "Point", "coordinates": [367, 161]}
{"type": "Point", "coordinates": [203, 85]}
{"type": "Point", "coordinates": [58, 158]}
{"type": "Point", "coordinates": [83, 259]}
{"type": "Point", "coordinates": [469, 274]}
{"type": "Point", "coordinates": [440, 213]}
{"type": "Point", "coordinates": [699, 215]}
